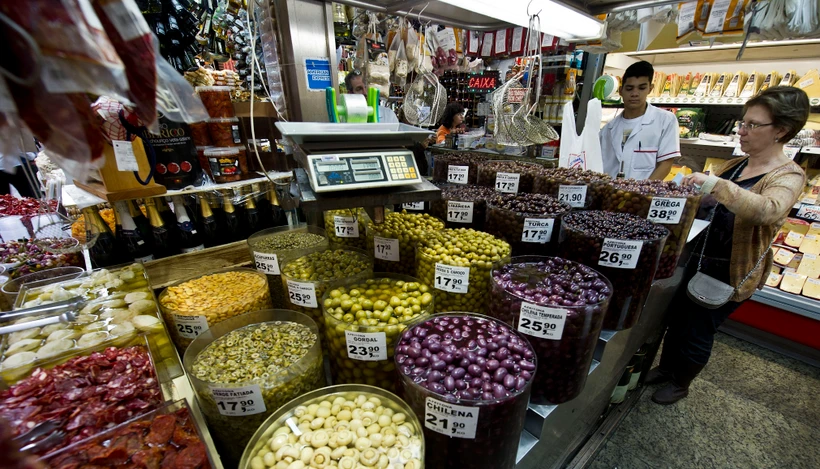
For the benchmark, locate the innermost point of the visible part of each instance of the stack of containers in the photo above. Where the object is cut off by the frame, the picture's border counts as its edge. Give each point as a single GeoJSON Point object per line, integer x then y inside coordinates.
{"type": "Point", "coordinates": [392, 243]}
{"type": "Point", "coordinates": [462, 206]}
{"type": "Point", "coordinates": [270, 57]}
{"type": "Point", "coordinates": [529, 222]}
{"type": "Point", "coordinates": [510, 177]}
{"type": "Point", "coordinates": [221, 144]}
{"type": "Point", "coordinates": [581, 189]}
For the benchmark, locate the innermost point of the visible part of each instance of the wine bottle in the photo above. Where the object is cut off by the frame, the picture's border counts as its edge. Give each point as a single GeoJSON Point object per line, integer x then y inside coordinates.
{"type": "Point", "coordinates": [208, 225]}
{"type": "Point", "coordinates": [129, 236]}
{"type": "Point", "coordinates": [160, 234]}
{"type": "Point", "coordinates": [253, 221]}
{"type": "Point", "coordinates": [167, 215]}
{"type": "Point", "coordinates": [103, 252]}
{"type": "Point", "coordinates": [278, 215]}
{"type": "Point", "coordinates": [263, 206]}
{"type": "Point", "coordinates": [140, 220]}
{"type": "Point", "coordinates": [232, 221]}
{"type": "Point", "coordinates": [189, 238]}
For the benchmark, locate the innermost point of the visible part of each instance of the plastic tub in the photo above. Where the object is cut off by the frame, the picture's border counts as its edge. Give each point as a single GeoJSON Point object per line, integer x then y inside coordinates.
{"type": "Point", "coordinates": [194, 305]}
{"type": "Point", "coordinates": [361, 333]}
{"type": "Point", "coordinates": [37, 279]}
{"type": "Point", "coordinates": [581, 189]}
{"type": "Point", "coordinates": [203, 160]}
{"type": "Point", "coordinates": [224, 132]}
{"type": "Point", "coordinates": [462, 206]}
{"type": "Point", "coordinates": [272, 247]}
{"type": "Point", "coordinates": [393, 243]}
{"type": "Point", "coordinates": [217, 100]}
{"type": "Point", "coordinates": [529, 222]}
{"type": "Point", "coordinates": [511, 177]}
{"type": "Point", "coordinates": [291, 421]}
{"type": "Point", "coordinates": [621, 246]}
{"type": "Point", "coordinates": [308, 277]}
{"type": "Point", "coordinates": [471, 423]}
{"type": "Point", "coordinates": [224, 163]}
{"type": "Point", "coordinates": [457, 168]}
{"type": "Point", "coordinates": [346, 227]}
{"type": "Point", "coordinates": [200, 135]}
{"type": "Point", "coordinates": [461, 280]}
{"type": "Point", "coordinates": [563, 336]}
{"type": "Point", "coordinates": [236, 407]}
{"type": "Point", "coordinates": [664, 203]}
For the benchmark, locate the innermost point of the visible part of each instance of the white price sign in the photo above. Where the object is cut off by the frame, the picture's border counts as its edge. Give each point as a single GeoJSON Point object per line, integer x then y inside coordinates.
{"type": "Point", "coordinates": [537, 230]}
{"type": "Point", "coordinates": [809, 212]}
{"type": "Point", "coordinates": [415, 206]}
{"type": "Point", "coordinates": [542, 321]}
{"type": "Point", "coordinates": [575, 196]}
{"type": "Point", "coordinates": [449, 419]}
{"type": "Point", "coordinates": [459, 212]}
{"type": "Point", "coordinates": [366, 346]}
{"type": "Point", "coordinates": [302, 294]}
{"type": "Point", "coordinates": [386, 249]}
{"type": "Point", "coordinates": [620, 254]}
{"type": "Point", "coordinates": [124, 155]}
{"type": "Point", "coordinates": [458, 174]}
{"type": "Point", "coordinates": [507, 182]}
{"type": "Point", "coordinates": [266, 263]}
{"type": "Point", "coordinates": [190, 326]}
{"type": "Point", "coordinates": [452, 279]}
{"type": "Point", "coordinates": [666, 210]}
{"type": "Point", "coordinates": [346, 227]}
{"type": "Point", "coordinates": [238, 402]}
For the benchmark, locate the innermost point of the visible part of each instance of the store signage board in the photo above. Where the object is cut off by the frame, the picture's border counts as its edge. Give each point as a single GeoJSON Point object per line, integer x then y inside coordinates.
{"type": "Point", "coordinates": [482, 83]}
{"type": "Point", "coordinates": [317, 72]}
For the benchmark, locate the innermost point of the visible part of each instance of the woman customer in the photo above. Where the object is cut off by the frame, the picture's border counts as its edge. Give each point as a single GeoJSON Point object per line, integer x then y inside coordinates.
{"type": "Point", "coordinates": [751, 197]}
{"type": "Point", "coordinates": [450, 121]}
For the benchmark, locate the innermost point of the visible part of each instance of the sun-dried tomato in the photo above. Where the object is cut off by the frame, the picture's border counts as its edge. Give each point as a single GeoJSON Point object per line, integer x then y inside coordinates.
{"type": "Point", "coordinates": [162, 428]}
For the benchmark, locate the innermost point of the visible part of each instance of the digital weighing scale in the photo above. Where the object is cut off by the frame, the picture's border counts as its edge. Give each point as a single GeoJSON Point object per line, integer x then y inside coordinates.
{"type": "Point", "coordinates": [342, 157]}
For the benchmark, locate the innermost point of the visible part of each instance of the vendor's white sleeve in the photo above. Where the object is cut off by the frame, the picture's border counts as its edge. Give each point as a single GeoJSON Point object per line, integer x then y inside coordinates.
{"type": "Point", "coordinates": [669, 145]}
{"type": "Point", "coordinates": [387, 116]}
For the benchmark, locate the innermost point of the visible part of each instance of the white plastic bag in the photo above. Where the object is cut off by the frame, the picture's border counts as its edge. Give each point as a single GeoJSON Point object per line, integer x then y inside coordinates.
{"type": "Point", "coordinates": [412, 48]}
{"type": "Point", "coordinates": [582, 151]}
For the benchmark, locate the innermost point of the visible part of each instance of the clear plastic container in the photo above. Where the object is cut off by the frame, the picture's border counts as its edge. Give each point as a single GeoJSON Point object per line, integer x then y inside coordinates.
{"type": "Point", "coordinates": [224, 132]}
{"type": "Point", "coordinates": [217, 100]}
{"type": "Point", "coordinates": [392, 244]}
{"type": "Point", "coordinates": [361, 333]}
{"type": "Point", "coordinates": [457, 168]}
{"type": "Point", "coordinates": [235, 410]}
{"type": "Point", "coordinates": [291, 420]}
{"type": "Point", "coordinates": [527, 232]}
{"type": "Point", "coordinates": [475, 433]}
{"type": "Point", "coordinates": [346, 227]}
{"type": "Point", "coordinates": [193, 305]}
{"type": "Point", "coordinates": [629, 262]}
{"type": "Point", "coordinates": [462, 206]}
{"type": "Point", "coordinates": [516, 177]}
{"type": "Point", "coordinates": [270, 249]}
{"type": "Point", "coordinates": [564, 337]}
{"type": "Point", "coordinates": [224, 163]}
{"type": "Point", "coordinates": [581, 189]}
{"type": "Point", "coordinates": [43, 277]}
{"type": "Point", "coordinates": [200, 135]}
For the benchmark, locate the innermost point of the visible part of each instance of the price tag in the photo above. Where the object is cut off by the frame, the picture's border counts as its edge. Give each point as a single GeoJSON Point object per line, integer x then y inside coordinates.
{"type": "Point", "coordinates": [346, 227]}
{"type": "Point", "coordinates": [124, 153]}
{"type": "Point", "coordinates": [415, 206]}
{"type": "Point", "coordinates": [459, 212]}
{"type": "Point", "coordinates": [458, 174]}
{"type": "Point", "coordinates": [620, 254]}
{"type": "Point", "coordinates": [809, 212]}
{"type": "Point", "coordinates": [240, 401]}
{"type": "Point", "coordinates": [386, 249]}
{"type": "Point", "coordinates": [449, 419]}
{"type": "Point", "coordinates": [537, 230]}
{"type": "Point", "coordinates": [302, 294]}
{"type": "Point", "coordinates": [575, 196]}
{"type": "Point", "coordinates": [266, 263]}
{"type": "Point", "coordinates": [190, 326]}
{"type": "Point", "coordinates": [542, 321]}
{"type": "Point", "coordinates": [666, 210]}
{"type": "Point", "coordinates": [366, 346]}
{"type": "Point", "coordinates": [452, 279]}
{"type": "Point", "coordinates": [507, 182]}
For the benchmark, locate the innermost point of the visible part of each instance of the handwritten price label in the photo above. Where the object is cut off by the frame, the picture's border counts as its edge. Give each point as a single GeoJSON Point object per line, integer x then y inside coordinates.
{"type": "Point", "coordinates": [302, 294]}
{"type": "Point", "coordinates": [386, 249]}
{"type": "Point", "coordinates": [809, 212]}
{"type": "Point", "coordinates": [458, 174]}
{"type": "Point", "coordinates": [620, 254]}
{"type": "Point", "coordinates": [450, 419]}
{"type": "Point", "coordinates": [124, 155]}
{"type": "Point", "coordinates": [452, 279]}
{"type": "Point", "coordinates": [414, 206]}
{"type": "Point", "coordinates": [240, 401]}
{"type": "Point", "coordinates": [507, 182]}
{"type": "Point", "coordinates": [346, 227]}
{"type": "Point", "coordinates": [537, 230]}
{"type": "Point", "coordinates": [459, 212]}
{"type": "Point", "coordinates": [541, 321]}
{"type": "Point", "coordinates": [575, 196]}
{"type": "Point", "coordinates": [666, 210]}
{"type": "Point", "coordinates": [190, 326]}
{"type": "Point", "coordinates": [366, 346]}
{"type": "Point", "coordinates": [266, 263]}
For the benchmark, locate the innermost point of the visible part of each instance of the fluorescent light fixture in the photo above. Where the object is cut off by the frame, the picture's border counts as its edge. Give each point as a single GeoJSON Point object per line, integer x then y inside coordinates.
{"type": "Point", "coordinates": [556, 19]}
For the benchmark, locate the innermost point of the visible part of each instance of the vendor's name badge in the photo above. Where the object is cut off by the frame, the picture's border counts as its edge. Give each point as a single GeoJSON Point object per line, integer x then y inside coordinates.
{"type": "Point", "coordinates": [452, 279]}
{"type": "Point", "coordinates": [620, 253]}
{"type": "Point", "coordinates": [537, 230]}
{"type": "Point", "coordinates": [240, 401]}
{"type": "Point", "coordinates": [507, 182]}
{"type": "Point", "coordinates": [366, 346]}
{"type": "Point", "coordinates": [459, 212]}
{"type": "Point", "coordinates": [386, 249]}
{"type": "Point", "coordinates": [458, 174]}
{"type": "Point", "coordinates": [345, 227]}
{"type": "Point", "coordinates": [190, 326]}
{"type": "Point", "coordinates": [542, 321]}
{"type": "Point", "coordinates": [575, 196]}
{"type": "Point", "coordinates": [302, 294]}
{"type": "Point", "coordinates": [266, 263]}
{"type": "Point", "coordinates": [449, 419]}
{"type": "Point", "coordinates": [666, 210]}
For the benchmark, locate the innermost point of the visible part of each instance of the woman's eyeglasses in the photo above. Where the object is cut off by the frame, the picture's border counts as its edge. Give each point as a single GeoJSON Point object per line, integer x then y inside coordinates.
{"type": "Point", "coordinates": [750, 127]}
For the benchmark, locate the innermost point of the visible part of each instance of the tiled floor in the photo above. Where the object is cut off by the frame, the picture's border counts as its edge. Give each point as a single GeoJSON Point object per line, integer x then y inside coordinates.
{"type": "Point", "coordinates": [750, 408]}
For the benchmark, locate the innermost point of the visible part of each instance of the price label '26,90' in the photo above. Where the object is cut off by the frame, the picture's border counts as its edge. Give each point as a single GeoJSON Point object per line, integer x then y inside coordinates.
{"type": "Point", "coordinates": [620, 253]}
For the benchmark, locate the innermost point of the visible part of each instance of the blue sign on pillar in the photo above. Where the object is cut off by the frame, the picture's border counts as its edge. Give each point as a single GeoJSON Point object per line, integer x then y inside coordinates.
{"type": "Point", "coordinates": [318, 73]}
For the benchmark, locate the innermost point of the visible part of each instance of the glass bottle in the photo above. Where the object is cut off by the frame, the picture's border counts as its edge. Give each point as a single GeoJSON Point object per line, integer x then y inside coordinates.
{"type": "Point", "coordinates": [232, 223]}
{"type": "Point", "coordinates": [619, 393]}
{"type": "Point", "coordinates": [208, 224]}
{"type": "Point", "coordinates": [139, 219]}
{"type": "Point", "coordinates": [253, 222]}
{"type": "Point", "coordinates": [189, 238]}
{"type": "Point", "coordinates": [103, 252]}
{"type": "Point", "coordinates": [160, 234]}
{"type": "Point", "coordinates": [129, 236]}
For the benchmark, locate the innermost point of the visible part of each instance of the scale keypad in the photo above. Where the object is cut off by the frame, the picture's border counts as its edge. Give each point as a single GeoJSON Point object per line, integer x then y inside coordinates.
{"type": "Point", "coordinates": [398, 168]}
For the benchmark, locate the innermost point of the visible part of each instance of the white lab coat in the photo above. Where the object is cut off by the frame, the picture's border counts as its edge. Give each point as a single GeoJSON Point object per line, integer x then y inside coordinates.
{"type": "Point", "coordinates": [387, 116]}
{"type": "Point", "coordinates": [654, 139]}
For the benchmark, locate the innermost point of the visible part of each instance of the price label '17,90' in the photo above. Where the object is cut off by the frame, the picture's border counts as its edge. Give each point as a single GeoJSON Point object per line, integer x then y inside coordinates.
{"type": "Point", "coordinates": [449, 419]}
{"type": "Point", "coordinates": [240, 401]}
{"type": "Point", "coordinates": [542, 321]}
{"type": "Point", "coordinates": [459, 212]}
{"type": "Point", "coordinates": [666, 210]}
{"type": "Point", "coordinates": [537, 230]}
{"type": "Point", "coordinates": [346, 227]}
{"type": "Point", "coordinates": [366, 346]}
{"type": "Point", "coordinates": [266, 263]}
{"type": "Point", "coordinates": [575, 196]}
{"type": "Point", "coordinates": [457, 174]}
{"type": "Point", "coordinates": [302, 294]}
{"type": "Point", "coordinates": [386, 249]}
{"type": "Point", "coordinates": [190, 326]}
{"type": "Point", "coordinates": [452, 279]}
{"type": "Point", "coordinates": [507, 182]}
{"type": "Point", "coordinates": [620, 254]}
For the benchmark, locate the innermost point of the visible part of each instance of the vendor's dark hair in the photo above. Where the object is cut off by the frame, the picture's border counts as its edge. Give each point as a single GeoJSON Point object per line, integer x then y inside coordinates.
{"type": "Point", "coordinates": [349, 79]}
{"type": "Point", "coordinates": [789, 107]}
{"type": "Point", "coordinates": [640, 69]}
{"type": "Point", "coordinates": [450, 113]}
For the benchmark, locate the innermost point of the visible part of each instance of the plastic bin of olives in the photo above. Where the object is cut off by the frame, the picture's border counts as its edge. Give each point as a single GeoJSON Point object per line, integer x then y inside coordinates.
{"type": "Point", "coordinates": [272, 247]}
{"type": "Point", "coordinates": [245, 368]}
{"type": "Point", "coordinates": [363, 322]}
{"type": "Point", "coordinates": [580, 188]}
{"type": "Point", "coordinates": [194, 305]}
{"type": "Point", "coordinates": [457, 263]}
{"type": "Point", "coordinates": [307, 278]}
{"type": "Point", "coordinates": [348, 426]}
{"type": "Point", "coordinates": [469, 378]}
{"type": "Point", "coordinates": [346, 228]}
{"type": "Point", "coordinates": [392, 244]}
{"type": "Point", "coordinates": [529, 222]}
{"type": "Point", "coordinates": [624, 248]}
{"type": "Point", "coordinates": [664, 203]}
{"type": "Point", "coordinates": [511, 177]}
{"type": "Point", "coordinates": [457, 168]}
{"type": "Point", "coordinates": [462, 206]}
{"type": "Point", "coordinates": [560, 306]}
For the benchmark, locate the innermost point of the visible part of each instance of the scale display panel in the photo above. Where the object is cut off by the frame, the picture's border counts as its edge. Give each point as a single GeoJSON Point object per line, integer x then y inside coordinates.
{"type": "Point", "coordinates": [362, 170]}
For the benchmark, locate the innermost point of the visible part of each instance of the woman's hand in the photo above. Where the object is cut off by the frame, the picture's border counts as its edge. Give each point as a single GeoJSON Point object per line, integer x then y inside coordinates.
{"type": "Point", "coordinates": [694, 179]}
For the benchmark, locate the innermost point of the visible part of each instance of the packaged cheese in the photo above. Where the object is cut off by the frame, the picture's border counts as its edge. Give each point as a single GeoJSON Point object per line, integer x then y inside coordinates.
{"type": "Point", "coordinates": [814, 229]}
{"type": "Point", "coordinates": [772, 79]}
{"type": "Point", "coordinates": [725, 18]}
{"type": "Point", "coordinates": [789, 78]}
{"type": "Point", "coordinates": [702, 14]}
{"type": "Point", "coordinates": [658, 81]}
{"type": "Point", "coordinates": [795, 262]}
{"type": "Point", "coordinates": [774, 279]}
{"type": "Point", "coordinates": [720, 85]}
{"type": "Point", "coordinates": [794, 239]}
{"type": "Point", "coordinates": [792, 282]}
{"type": "Point", "coordinates": [736, 85]}
{"type": "Point", "coordinates": [811, 288]}
{"type": "Point", "coordinates": [783, 256]}
{"type": "Point", "coordinates": [670, 86]}
{"type": "Point", "coordinates": [706, 84]}
{"type": "Point", "coordinates": [810, 245]}
{"type": "Point", "coordinates": [810, 83]}
{"type": "Point", "coordinates": [752, 85]}
{"type": "Point", "coordinates": [685, 83]}
{"type": "Point", "coordinates": [686, 20]}
{"type": "Point", "coordinates": [809, 266]}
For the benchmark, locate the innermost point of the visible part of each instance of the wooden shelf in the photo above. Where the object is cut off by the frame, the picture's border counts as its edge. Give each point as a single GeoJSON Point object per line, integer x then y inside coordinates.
{"type": "Point", "coordinates": [755, 52]}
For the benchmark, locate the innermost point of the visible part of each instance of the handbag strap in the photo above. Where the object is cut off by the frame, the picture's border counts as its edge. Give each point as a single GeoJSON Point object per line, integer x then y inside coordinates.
{"type": "Point", "coordinates": [712, 217]}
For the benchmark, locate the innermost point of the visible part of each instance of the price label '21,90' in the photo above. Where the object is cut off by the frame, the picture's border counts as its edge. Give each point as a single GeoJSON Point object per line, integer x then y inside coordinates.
{"type": "Point", "coordinates": [449, 419]}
